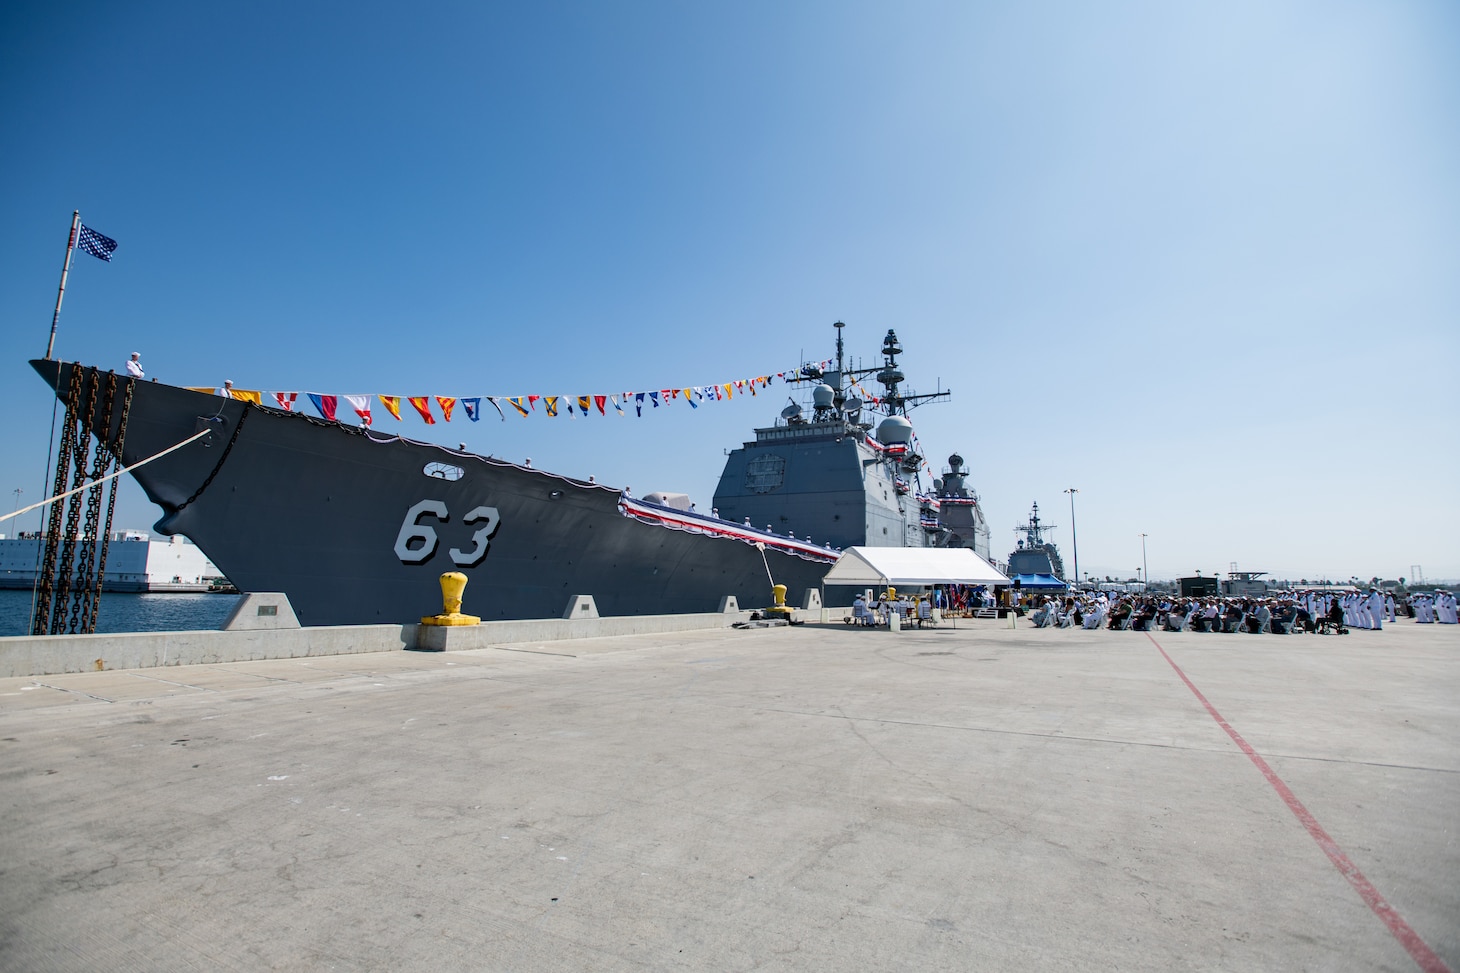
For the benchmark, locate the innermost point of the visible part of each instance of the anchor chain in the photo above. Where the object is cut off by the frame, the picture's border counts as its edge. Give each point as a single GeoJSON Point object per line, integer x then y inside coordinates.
{"type": "Point", "coordinates": [66, 564]}
{"type": "Point", "coordinates": [111, 502]}
{"type": "Point", "coordinates": [68, 588]}
{"type": "Point", "coordinates": [40, 623]}
{"type": "Point", "coordinates": [237, 428]}
{"type": "Point", "coordinates": [90, 540]}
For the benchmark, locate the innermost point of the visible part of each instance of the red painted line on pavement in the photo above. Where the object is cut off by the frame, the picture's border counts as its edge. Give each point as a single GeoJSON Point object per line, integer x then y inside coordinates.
{"type": "Point", "coordinates": [1408, 938]}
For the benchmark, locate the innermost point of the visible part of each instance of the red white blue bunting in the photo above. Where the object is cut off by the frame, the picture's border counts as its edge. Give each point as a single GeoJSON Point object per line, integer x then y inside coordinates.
{"type": "Point", "coordinates": [696, 523]}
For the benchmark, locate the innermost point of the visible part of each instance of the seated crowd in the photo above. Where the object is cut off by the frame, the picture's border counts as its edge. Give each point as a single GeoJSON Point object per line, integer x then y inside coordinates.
{"type": "Point", "coordinates": [915, 610]}
{"type": "Point", "coordinates": [1280, 615]}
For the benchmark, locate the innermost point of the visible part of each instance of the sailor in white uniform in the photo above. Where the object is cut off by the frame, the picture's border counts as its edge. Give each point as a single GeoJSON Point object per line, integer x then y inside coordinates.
{"type": "Point", "coordinates": [134, 365]}
{"type": "Point", "coordinates": [1445, 608]}
{"type": "Point", "coordinates": [1375, 606]}
{"type": "Point", "coordinates": [1424, 613]}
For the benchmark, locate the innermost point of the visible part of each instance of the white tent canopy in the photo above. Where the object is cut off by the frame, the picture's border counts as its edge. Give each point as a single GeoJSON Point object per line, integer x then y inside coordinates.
{"type": "Point", "coordinates": [912, 566]}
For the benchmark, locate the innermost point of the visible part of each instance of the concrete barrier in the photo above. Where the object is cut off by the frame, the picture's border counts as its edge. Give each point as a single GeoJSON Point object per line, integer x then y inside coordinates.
{"type": "Point", "coordinates": [261, 611]}
{"type": "Point", "coordinates": [581, 606]}
{"type": "Point", "coordinates": [38, 655]}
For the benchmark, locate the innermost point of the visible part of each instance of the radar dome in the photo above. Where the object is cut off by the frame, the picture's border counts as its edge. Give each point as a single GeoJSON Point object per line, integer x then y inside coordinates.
{"type": "Point", "coordinates": [894, 430]}
{"type": "Point", "coordinates": [822, 396]}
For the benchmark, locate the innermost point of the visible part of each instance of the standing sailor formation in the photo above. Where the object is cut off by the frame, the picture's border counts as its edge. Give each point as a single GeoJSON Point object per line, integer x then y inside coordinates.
{"type": "Point", "coordinates": [1439, 607]}
{"type": "Point", "coordinates": [1370, 609]}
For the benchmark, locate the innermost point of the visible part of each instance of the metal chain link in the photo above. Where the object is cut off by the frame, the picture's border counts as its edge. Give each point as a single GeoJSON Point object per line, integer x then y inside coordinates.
{"type": "Point", "coordinates": [82, 595]}
{"type": "Point", "coordinates": [45, 585]}
{"type": "Point", "coordinates": [66, 566]}
{"type": "Point", "coordinates": [111, 502]}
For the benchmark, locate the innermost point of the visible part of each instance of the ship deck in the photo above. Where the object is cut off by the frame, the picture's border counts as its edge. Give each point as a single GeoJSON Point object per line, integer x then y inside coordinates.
{"type": "Point", "coordinates": [811, 798]}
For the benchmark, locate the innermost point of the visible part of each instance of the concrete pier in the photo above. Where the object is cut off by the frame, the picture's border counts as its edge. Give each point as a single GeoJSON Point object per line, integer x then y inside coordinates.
{"type": "Point", "coordinates": [807, 798]}
{"type": "Point", "coordinates": [36, 655]}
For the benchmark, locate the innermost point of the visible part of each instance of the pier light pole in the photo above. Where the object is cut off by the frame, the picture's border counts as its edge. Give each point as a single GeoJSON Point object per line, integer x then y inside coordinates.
{"type": "Point", "coordinates": [1074, 540]}
{"type": "Point", "coordinates": [1145, 570]}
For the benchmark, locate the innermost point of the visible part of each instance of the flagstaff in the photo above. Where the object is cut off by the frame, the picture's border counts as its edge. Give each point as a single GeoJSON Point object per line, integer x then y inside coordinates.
{"type": "Point", "coordinates": [65, 269]}
{"type": "Point", "coordinates": [97, 244]}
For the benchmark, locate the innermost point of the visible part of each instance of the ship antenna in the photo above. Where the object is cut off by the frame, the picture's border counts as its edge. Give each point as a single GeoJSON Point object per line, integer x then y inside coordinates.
{"type": "Point", "coordinates": [890, 375]}
{"type": "Point", "coordinates": [839, 370]}
{"type": "Point", "coordinates": [839, 396]}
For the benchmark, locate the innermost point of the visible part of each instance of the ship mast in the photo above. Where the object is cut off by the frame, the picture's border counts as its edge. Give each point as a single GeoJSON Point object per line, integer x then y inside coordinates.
{"type": "Point", "coordinates": [890, 376]}
{"type": "Point", "coordinates": [841, 373]}
{"type": "Point", "coordinates": [893, 402]}
{"type": "Point", "coordinates": [1034, 530]}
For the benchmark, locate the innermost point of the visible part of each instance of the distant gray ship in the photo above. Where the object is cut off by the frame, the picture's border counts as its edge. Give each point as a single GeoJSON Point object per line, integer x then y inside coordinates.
{"type": "Point", "coordinates": [1036, 556]}
{"type": "Point", "coordinates": [355, 526]}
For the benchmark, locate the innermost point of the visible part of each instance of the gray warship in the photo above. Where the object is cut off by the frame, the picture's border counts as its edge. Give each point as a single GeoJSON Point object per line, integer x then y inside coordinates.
{"type": "Point", "coordinates": [356, 526]}
{"type": "Point", "coordinates": [1036, 556]}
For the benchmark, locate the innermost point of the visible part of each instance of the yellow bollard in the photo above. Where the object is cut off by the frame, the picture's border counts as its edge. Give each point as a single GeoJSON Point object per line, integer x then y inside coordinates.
{"type": "Point", "coordinates": [778, 592]}
{"type": "Point", "coordinates": [453, 583]}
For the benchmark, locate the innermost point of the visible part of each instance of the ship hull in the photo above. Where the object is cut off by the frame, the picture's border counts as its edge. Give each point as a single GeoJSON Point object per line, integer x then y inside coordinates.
{"type": "Point", "coordinates": [349, 524]}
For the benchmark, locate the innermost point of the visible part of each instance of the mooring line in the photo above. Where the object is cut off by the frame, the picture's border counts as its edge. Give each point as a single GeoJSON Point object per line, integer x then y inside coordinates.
{"type": "Point", "coordinates": [103, 479]}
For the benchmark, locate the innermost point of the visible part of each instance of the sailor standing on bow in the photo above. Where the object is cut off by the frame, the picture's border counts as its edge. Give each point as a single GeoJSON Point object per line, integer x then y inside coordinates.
{"type": "Point", "coordinates": [134, 365]}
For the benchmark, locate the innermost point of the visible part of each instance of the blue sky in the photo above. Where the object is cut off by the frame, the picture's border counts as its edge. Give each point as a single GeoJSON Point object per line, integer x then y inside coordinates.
{"type": "Point", "coordinates": [1197, 260]}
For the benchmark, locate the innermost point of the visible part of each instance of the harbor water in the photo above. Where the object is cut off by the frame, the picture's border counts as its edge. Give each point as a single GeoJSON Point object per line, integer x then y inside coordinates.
{"type": "Point", "coordinates": [125, 612]}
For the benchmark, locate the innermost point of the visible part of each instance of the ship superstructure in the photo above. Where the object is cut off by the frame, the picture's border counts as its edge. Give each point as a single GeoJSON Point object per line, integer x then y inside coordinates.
{"type": "Point", "coordinates": [849, 473]}
{"type": "Point", "coordinates": [959, 509]}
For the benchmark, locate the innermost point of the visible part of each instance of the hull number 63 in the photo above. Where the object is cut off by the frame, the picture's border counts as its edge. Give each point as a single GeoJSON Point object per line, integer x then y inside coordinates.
{"type": "Point", "coordinates": [417, 541]}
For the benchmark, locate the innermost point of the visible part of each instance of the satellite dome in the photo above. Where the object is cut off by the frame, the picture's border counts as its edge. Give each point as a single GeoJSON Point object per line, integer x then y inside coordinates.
{"type": "Point", "coordinates": [822, 396]}
{"type": "Point", "coordinates": [894, 430]}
